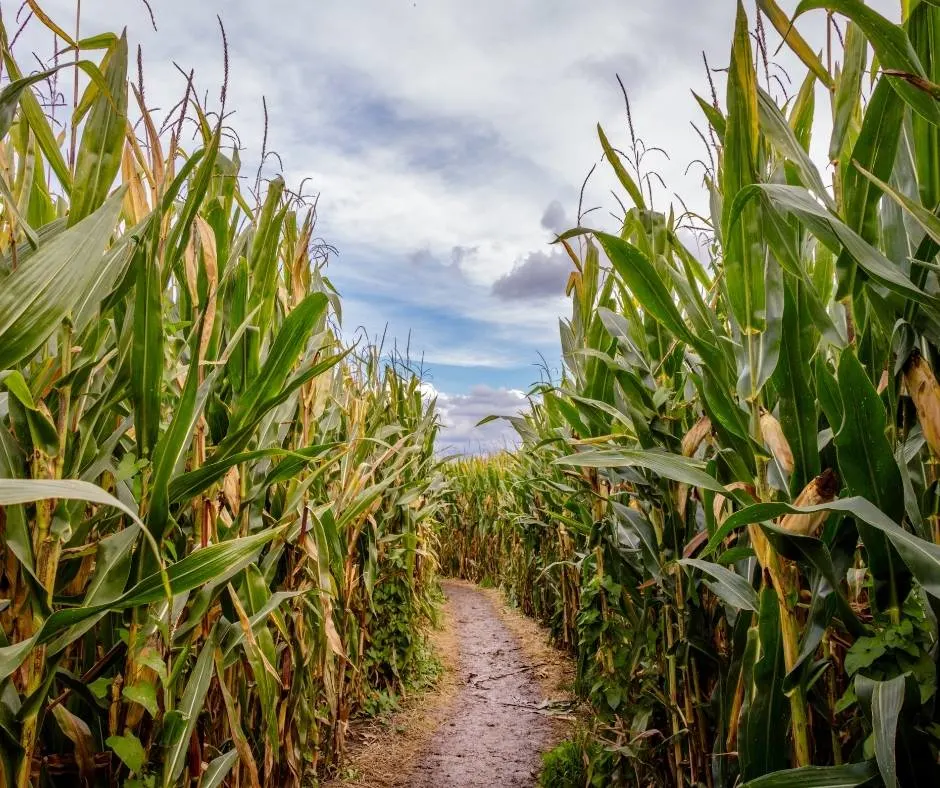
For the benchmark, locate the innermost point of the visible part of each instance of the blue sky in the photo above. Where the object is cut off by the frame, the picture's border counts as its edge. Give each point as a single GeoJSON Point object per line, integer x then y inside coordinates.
{"type": "Point", "coordinates": [448, 141]}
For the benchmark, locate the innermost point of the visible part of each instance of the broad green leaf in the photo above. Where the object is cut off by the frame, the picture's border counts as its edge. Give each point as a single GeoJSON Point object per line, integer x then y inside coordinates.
{"type": "Point", "coordinates": [794, 40]}
{"type": "Point", "coordinates": [669, 466]}
{"type": "Point", "coordinates": [19, 491]}
{"type": "Point", "coordinates": [645, 284]}
{"type": "Point", "coordinates": [620, 171]}
{"type": "Point", "coordinates": [218, 769]}
{"type": "Point", "coordinates": [743, 250]}
{"type": "Point", "coordinates": [129, 749]}
{"type": "Point", "coordinates": [891, 45]}
{"type": "Point", "coordinates": [777, 129]}
{"type": "Point", "coordinates": [848, 89]}
{"type": "Point", "coordinates": [835, 235]}
{"type": "Point", "coordinates": [921, 557]}
{"type": "Point", "coordinates": [176, 737]}
{"type": "Point", "coordinates": [848, 776]}
{"type": "Point", "coordinates": [37, 296]}
{"type": "Point", "coordinates": [729, 586]}
{"type": "Point", "coordinates": [99, 154]}
{"type": "Point", "coordinates": [285, 350]}
{"type": "Point", "coordinates": [886, 702]}
{"type": "Point", "coordinates": [762, 739]}
{"type": "Point", "coordinates": [930, 222]}
{"type": "Point", "coordinates": [145, 694]}
{"type": "Point", "coordinates": [146, 360]}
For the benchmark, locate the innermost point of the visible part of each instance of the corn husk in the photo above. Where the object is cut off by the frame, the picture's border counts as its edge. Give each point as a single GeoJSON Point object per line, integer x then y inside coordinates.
{"type": "Point", "coordinates": [925, 391]}
{"type": "Point", "coordinates": [694, 437]}
{"type": "Point", "coordinates": [718, 504]}
{"type": "Point", "coordinates": [776, 441]}
{"type": "Point", "coordinates": [231, 489]}
{"type": "Point", "coordinates": [820, 490]}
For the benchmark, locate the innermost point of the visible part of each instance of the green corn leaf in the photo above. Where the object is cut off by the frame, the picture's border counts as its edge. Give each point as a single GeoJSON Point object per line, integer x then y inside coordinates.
{"type": "Point", "coordinates": [19, 491]}
{"type": "Point", "coordinates": [218, 769]}
{"type": "Point", "coordinates": [620, 171]}
{"type": "Point", "coordinates": [762, 740]}
{"type": "Point", "coordinates": [921, 557]}
{"type": "Point", "coordinates": [803, 110]}
{"type": "Point", "coordinates": [744, 254]}
{"type": "Point", "coordinates": [848, 776]}
{"type": "Point", "coordinates": [669, 466]}
{"type": "Point", "coordinates": [196, 569]}
{"type": "Point", "coordinates": [645, 285]}
{"type": "Point", "coordinates": [891, 45]}
{"type": "Point", "coordinates": [876, 150]}
{"type": "Point", "coordinates": [728, 586]}
{"type": "Point", "coordinates": [794, 40]}
{"type": "Point", "coordinates": [799, 416]}
{"type": "Point", "coordinates": [129, 749]}
{"type": "Point", "coordinates": [886, 702]}
{"type": "Point", "coordinates": [112, 570]}
{"type": "Point", "coordinates": [930, 222]}
{"type": "Point", "coordinates": [37, 296]}
{"type": "Point", "coordinates": [286, 348]}
{"type": "Point", "coordinates": [186, 715]}
{"type": "Point", "coordinates": [715, 119]}
{"type": "Point", "coordinates": [775, 126]}
{"type": "Point", "coordinates": [99, 154]}
{"type": "Point", "coordinates": [848, 89]}
{"type": "Point", "coordinates": [836, 236]}
{"type": "Point", "coordinates": [146, 359]}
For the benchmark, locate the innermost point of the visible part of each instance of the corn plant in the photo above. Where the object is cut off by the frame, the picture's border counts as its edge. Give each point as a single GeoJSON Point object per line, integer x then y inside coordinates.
{"type": "Point", "coordinates": [739, 465]}
{"type": "Point", "coordinates": [214, 517]}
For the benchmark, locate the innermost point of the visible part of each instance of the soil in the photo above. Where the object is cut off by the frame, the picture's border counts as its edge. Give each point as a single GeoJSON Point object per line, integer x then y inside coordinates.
{"type": "Point", "coordinates": [497, 731]}
{"type": "Point", "coordinates": [489, 719]}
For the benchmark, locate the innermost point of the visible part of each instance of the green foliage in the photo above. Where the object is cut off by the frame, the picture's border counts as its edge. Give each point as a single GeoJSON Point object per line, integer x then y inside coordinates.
{"type": "Point", "coordinates": [563, 767]}
{"type": "Point", "coordinates": [215, 519]}
{"type": "Point", "coordinates": [726, 507]}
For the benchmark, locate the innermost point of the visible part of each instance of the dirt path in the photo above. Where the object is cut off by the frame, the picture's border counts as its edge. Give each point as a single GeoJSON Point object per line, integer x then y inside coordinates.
{"type": "Point", "coordinates": [480, 725]}
{"type": "Point", "coordinates": [495, 733]}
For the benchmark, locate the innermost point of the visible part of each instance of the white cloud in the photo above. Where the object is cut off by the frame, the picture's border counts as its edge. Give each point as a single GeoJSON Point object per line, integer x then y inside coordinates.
{"type": "Point", "coordinates": [461, 413]}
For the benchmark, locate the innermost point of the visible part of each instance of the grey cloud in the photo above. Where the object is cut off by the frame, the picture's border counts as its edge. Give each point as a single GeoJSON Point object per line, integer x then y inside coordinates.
{"type": "Point", "coordinates": [422, 258]}
{"type": "Point", "coordinates": [554, 218]}
{"type": "Point", "coordinates": [537, 276]}
{"type": "Point", "coordinates": [427, 260]}
{"type": "Point", "coordinates": [634, 71]}
{"type": "Point", "coordinates": [460, 253]}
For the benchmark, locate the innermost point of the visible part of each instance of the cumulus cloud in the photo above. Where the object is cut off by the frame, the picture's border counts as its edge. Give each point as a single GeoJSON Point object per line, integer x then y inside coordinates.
{"type": "Point", "coordinates": [537, 276]}
{"type": "Point", "coordinates": [460, 414]}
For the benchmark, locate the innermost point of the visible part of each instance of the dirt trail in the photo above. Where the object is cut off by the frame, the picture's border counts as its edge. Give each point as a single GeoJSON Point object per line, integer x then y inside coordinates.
{"type": "Point", "coordinates": [494, 733]}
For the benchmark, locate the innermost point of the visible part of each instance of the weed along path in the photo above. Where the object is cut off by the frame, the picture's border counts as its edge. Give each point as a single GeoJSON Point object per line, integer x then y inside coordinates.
{"type": "Point", "coordinates": [495, 732]}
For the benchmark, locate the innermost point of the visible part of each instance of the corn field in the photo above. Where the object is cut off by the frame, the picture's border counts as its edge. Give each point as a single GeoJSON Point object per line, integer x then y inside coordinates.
{"type": "Point", "coordinates": [727, 507]}
{"type": "Point", "coordinates": [215, 518]}
{"type": "Point", "coordinates": [221, 522]}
